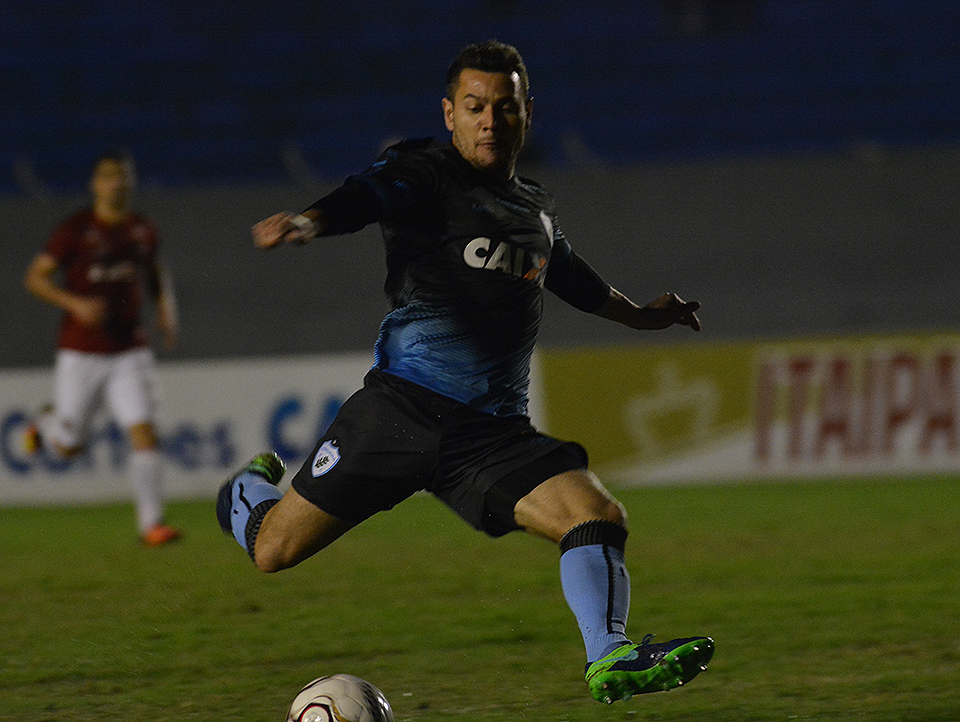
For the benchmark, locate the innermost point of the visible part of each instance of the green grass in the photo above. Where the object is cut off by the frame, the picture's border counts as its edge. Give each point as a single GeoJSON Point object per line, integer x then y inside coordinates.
{"type": "Point", "coordinates": [832, 601]}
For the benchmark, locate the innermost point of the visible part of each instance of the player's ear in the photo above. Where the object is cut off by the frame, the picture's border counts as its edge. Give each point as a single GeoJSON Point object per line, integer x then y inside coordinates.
{"type": "Point", "coordinates": [448, 113]}
{"type": "Point", "coordinates": [529, 108]}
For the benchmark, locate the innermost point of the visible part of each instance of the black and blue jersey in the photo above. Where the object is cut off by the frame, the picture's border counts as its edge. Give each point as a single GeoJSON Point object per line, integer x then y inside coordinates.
{"type": "Point", "coordinates": [467, 260]}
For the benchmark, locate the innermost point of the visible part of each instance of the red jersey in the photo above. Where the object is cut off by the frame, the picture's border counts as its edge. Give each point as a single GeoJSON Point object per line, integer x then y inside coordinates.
{"type": "Point", "coordinates": [109, 262]}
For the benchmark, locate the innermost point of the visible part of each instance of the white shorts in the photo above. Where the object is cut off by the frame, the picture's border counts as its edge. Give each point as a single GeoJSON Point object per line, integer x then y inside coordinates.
{"type": "Point", "coordinates": [125, 382]}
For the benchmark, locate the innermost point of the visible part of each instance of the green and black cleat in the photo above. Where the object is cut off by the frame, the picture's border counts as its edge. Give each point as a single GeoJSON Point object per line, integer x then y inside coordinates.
{"type": "Point", "coordinates": [647, 667]}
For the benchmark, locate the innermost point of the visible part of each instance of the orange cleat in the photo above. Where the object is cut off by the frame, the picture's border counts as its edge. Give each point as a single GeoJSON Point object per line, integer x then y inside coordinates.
{"type": "Point", "coordinates": [160, 534]}
{"type": "Point", "coordinates": [31, 441]}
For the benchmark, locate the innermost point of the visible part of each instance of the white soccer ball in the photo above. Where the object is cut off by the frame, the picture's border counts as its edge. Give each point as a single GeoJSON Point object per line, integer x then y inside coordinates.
{"type": "Point", "coordinates": [340, 698]}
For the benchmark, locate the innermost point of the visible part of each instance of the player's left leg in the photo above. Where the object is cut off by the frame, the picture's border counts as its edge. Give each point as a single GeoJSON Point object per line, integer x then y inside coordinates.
{"type": "Point", "coordinates": [573, 510]}
{"type": "Point", "coordinates": [146, 478]}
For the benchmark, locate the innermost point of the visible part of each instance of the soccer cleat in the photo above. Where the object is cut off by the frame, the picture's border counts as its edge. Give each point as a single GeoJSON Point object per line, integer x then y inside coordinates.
{"type": "Point", "coordinates": [32, 440]}
{"type": "Point", "coordinates": [267, 465]}
{"type": "Point", "coordinates": [647, 667]}
{"type": "Point", "coordinates": [160, 534]}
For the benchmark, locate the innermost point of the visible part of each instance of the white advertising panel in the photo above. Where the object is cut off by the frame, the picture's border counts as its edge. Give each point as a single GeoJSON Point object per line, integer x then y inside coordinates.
{"type": "Point", "coordinates": [214, 415]}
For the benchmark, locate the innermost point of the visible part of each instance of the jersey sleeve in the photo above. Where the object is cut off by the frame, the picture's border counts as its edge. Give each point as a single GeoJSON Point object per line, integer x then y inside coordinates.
{"type": "Point", "coordinates": [573, 279]}
{"type": "Point", "coordinates": [397, 182]}
{"type": "Point", "coordinates": [153, 236]}
{"type": "Point", "coordinates": [62, 241]}
{"type": "Point", "coordinates": [151, 259]}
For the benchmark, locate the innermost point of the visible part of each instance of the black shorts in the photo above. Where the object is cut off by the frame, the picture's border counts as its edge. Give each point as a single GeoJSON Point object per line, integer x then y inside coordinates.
{"type": "Point", "coordinates": [393, 438]}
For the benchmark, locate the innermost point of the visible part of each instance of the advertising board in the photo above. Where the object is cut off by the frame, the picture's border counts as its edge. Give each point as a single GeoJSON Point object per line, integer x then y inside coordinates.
{"type": "Point", "coordinates": [818, 407]}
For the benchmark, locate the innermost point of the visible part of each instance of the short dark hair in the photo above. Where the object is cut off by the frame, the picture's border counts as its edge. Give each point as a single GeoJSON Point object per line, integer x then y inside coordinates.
{"type": "Point", "coordinates": [117, 155]}
{"type": "Point", "coordinates": [491, 56]}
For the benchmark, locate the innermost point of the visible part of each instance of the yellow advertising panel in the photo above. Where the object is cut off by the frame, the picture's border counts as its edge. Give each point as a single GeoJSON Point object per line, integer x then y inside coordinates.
{"type": "Point", "coordinates": [693, 412]}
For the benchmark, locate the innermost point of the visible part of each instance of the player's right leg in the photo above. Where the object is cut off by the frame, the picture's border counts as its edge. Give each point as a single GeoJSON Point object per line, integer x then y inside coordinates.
{"type": "Point", "coordinates": [36, 430]}
{"type": "Point", "coordinates": [277, 530]}
{"type": "Point", "coordinates": [78, 381]}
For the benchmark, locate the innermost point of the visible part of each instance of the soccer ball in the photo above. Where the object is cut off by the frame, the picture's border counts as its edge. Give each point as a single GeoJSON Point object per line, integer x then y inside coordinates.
{"type": "Point", "coordinates": [340, 698]}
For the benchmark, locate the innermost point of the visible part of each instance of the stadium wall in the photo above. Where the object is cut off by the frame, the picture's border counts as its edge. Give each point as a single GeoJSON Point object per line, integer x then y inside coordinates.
{"type": "Point", "coordinates": [860, 242]}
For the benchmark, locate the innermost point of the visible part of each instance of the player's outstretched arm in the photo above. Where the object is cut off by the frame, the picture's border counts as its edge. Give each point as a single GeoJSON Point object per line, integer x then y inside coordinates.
{"type": "Point", "coordinates": [39, 280]}
{"type": "Point", "coordinates": [160, 285]}
{"type": "Point", "coordinates": [287, 228]}
{"type": "Point", "coordinates": [663, 312]}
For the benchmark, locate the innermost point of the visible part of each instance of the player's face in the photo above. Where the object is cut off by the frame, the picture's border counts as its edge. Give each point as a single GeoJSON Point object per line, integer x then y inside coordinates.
{"type": "Point", "coordinates": [112, 183]}
{"type": "Point", "coordinates": [488, 117]}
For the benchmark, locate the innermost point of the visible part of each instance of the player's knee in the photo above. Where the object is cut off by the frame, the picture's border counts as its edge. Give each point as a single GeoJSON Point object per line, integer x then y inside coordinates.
{"type": "Point", "coordinates": [269, 559]}
{"type": "Point", "coordinates": [268, 565]}
{"type": "Point", "coordinates": [613, 512]}
{"type": "Point", "coordinates": [607, 510]}
{"type": "Point", "coordinates": [274, 550]}
{"type": "Point", "coordinates": [600, 506]}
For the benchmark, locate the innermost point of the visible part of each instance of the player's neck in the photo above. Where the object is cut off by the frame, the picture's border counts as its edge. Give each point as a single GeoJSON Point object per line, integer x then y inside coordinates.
{"type": "Point", "coordinates": [503, 174]}
{"type": "Point", "coordinates": [110, 214]}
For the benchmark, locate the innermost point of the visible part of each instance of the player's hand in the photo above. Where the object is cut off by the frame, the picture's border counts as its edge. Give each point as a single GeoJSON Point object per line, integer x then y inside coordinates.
{"type": "Point", "coordinates": [169, 331]}
{"type": "Point", "coordinates": [283, 228]}
{"type": "Point", "coordinates": [90, 312]}
{"type": "Point", "coordinates": [167, 318]}
{"type": "Point", "coordinates": [170, 338]}
{"type": "Point", "coordinates": [670, 309]}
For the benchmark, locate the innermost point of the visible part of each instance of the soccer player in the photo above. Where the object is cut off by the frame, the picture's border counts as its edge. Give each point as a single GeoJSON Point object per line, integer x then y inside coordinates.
{"type": "Point", "coordinates": [470, 247]}
{"type": "Point", "coordinates": [95, 267]}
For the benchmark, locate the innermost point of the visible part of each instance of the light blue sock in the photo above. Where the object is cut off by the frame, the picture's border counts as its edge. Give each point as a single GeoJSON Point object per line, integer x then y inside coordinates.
{"type": "Point", "coordinates": [596, 586]}
{"type": "Point", "coordinates": [247, 492]}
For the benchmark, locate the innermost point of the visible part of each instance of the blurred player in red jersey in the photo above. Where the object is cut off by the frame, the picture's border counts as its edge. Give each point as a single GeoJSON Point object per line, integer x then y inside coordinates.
{"type": "Point", "coordinates": [95, 267]}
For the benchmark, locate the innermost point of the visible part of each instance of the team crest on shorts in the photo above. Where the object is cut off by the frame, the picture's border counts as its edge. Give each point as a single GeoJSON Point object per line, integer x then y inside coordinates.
{"type": "Point", "coordinates": [327, 457]}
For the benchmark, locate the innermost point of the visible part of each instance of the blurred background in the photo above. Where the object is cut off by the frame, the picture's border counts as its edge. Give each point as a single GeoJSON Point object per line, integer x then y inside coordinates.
{"type": "Point", "coordinates": [792, 164]}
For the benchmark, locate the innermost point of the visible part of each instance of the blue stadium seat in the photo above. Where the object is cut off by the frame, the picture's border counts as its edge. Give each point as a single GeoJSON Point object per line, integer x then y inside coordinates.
{"type": "Point", "coordinates": [220, 92]}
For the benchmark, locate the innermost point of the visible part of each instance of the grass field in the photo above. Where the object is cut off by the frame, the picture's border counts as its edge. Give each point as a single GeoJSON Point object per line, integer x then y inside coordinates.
{"type": "Point", "coordinates": [832, 601]}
